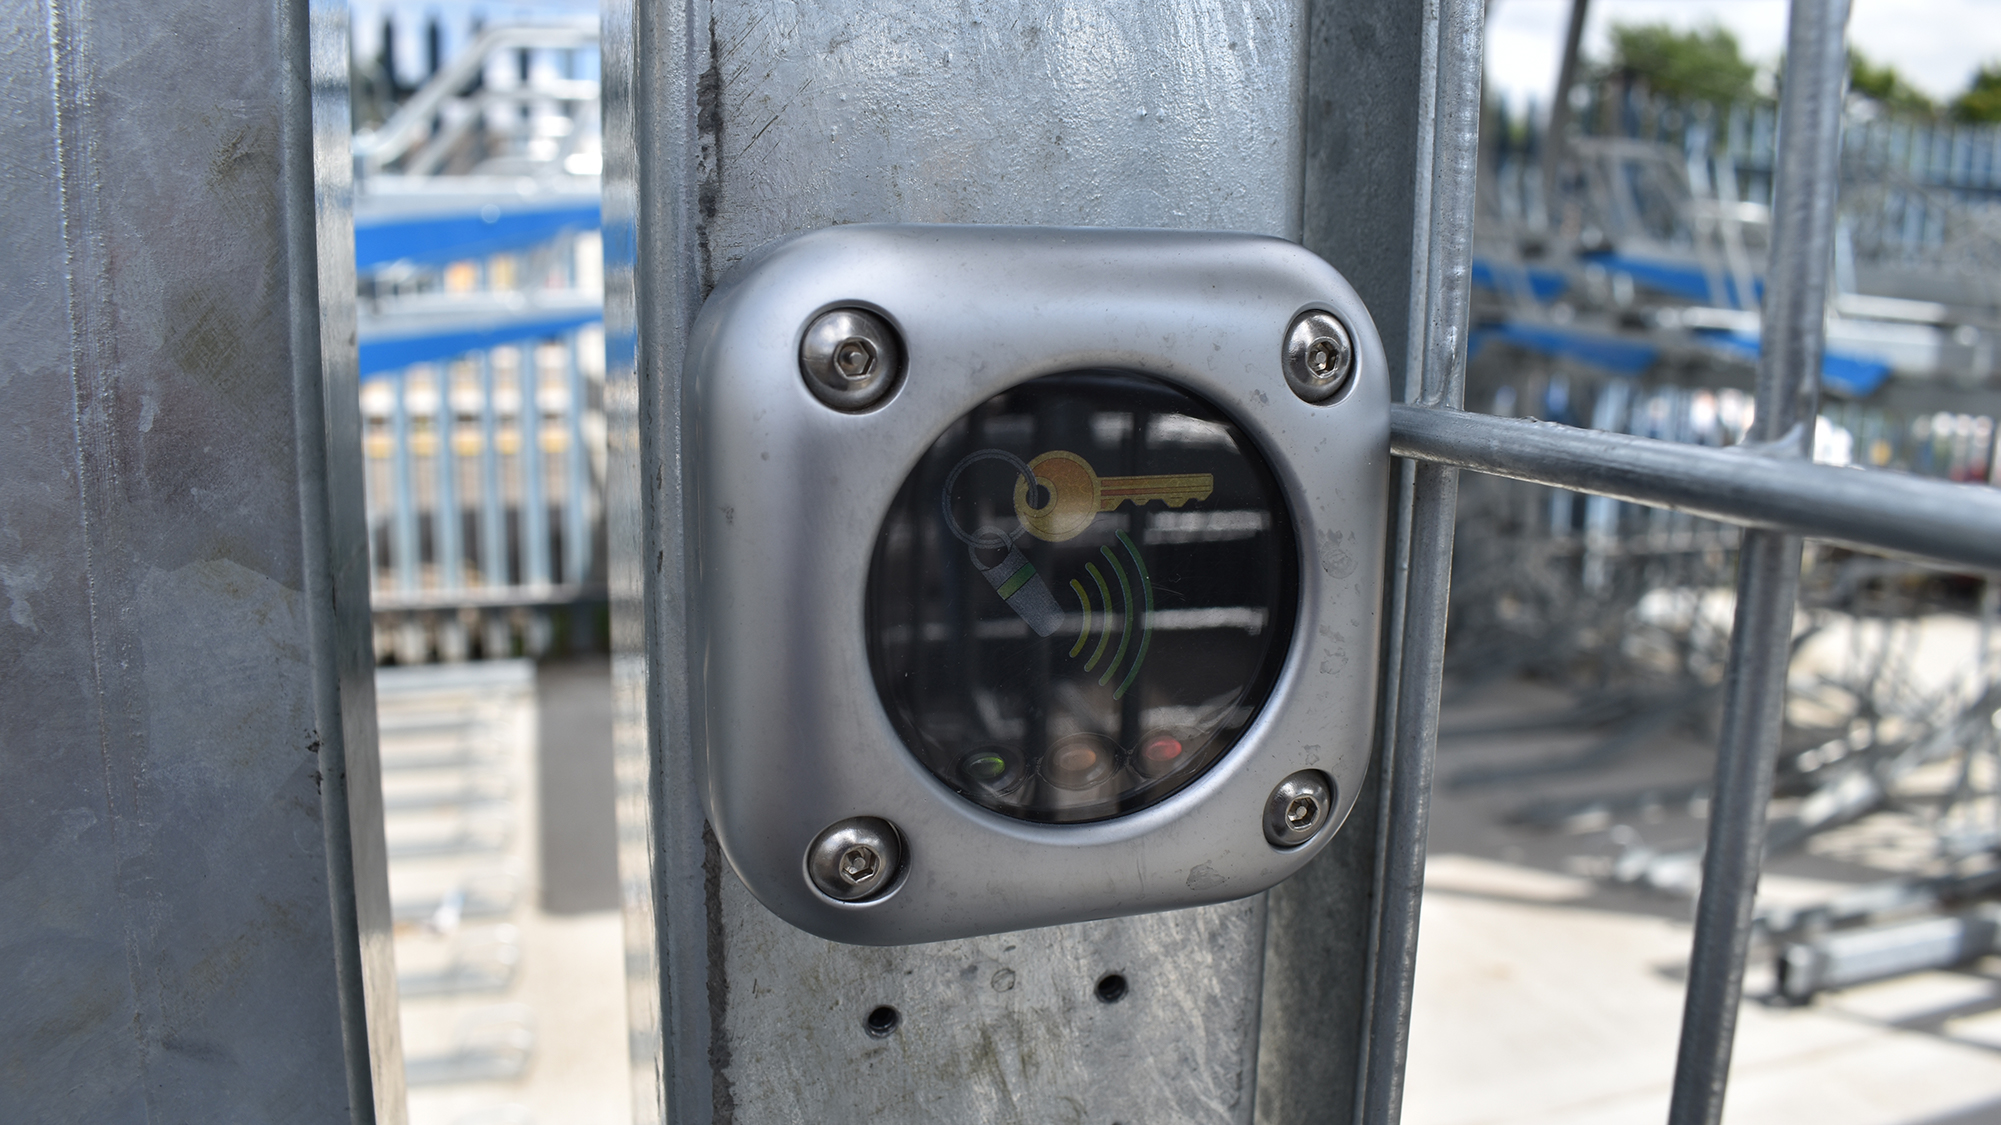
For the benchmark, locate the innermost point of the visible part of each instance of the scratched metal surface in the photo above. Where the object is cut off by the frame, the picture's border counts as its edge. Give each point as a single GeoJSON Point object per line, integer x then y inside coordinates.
{"type": "Point", "coordinates": [1177, 113]}
{"type": "Point", "coordinates": [175, 942]}
{"type": "Point", "coordinates": [730, 125]}
{"type": "Point", "coordinates": [998, 1029]}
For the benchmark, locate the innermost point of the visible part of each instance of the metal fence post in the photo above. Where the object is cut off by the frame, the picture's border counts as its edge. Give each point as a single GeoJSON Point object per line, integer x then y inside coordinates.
{"type": "Point", "coordinates": [727, 128]}
{"type": "Point", "coordinates": [1803, 201]}
{"type": "Point", "coordinates": [194, 915]}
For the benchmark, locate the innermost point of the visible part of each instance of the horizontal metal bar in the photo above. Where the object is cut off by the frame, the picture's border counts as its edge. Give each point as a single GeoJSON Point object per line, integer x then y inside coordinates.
{"type": "Point", "coordinates": [1850, 957]}
{"type": "Point", "coordinates": [474, 597]}
{"type": "Point", "coordinates": [1870, 510]}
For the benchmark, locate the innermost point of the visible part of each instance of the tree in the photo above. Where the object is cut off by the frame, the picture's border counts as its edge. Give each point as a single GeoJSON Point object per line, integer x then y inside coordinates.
{"type": "Point", "coordinates": [1700, 65]}
{"type": "Point", "coordinates": [1981, 103]}
{"type": "Point", "coordinates": [1884, 86]}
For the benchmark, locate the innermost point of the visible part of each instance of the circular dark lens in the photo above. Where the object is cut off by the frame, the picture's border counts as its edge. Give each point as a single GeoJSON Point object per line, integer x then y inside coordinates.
{"type": "Point", "coordinates": [1081, 596]}
{"type": "Point", "coordinates": [1112, 988]}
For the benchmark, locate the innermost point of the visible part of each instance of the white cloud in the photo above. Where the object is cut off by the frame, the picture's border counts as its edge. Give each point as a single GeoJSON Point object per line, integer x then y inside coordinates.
{"type": "Point", "coordinates": [1935, 44]}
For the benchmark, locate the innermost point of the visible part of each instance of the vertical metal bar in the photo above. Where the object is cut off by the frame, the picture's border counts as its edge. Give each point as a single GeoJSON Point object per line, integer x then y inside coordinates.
{"type": "Point", "coordinates": [1447, 272]}
{"type": "Point", "coordinates": [1313, 1035]}
{"type": "Point", "coordinates": [446, 522]}
{"type": "Point", "coordinates": [1559, 108]}
{"type": "Point", "coordinates": [403, 517]}
{"type": "Point", "coordinates": [492, 505]}
{"type": "Point", "coordinates": [534, 486]}
{"type": "Point", "coordinates": [375, 522]}
{"type": "Point", "coordinates": [1803, 213]}
{"type": "Point", "coordinates": [349, 763]}
{"type": "Point", "coordinates": [668, 863]}
{"type": "Point", "coordinates": [576, 472]}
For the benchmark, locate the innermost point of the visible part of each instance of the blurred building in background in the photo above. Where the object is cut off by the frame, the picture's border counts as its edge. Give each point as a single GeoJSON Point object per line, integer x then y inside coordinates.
{"type": "Point", "coordinates": [477, 155]}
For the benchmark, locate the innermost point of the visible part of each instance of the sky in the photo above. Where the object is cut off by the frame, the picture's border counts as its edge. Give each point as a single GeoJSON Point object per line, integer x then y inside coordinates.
{"type": "Point", "coordinates": [1935, 44]}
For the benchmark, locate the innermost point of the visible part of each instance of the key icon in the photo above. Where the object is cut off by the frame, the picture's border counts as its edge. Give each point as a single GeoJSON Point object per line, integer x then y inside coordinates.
{"type": "Point", "coordinates": [1077, 493]}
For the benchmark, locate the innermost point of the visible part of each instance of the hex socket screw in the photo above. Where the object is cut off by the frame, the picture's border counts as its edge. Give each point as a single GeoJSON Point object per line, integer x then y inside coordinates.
{"type": "Point", "coordinates": [1319, 356]}
{"type": "Point", "coordinates": [851, 358]}
{"type": "Point", "coordinates": [856, 859]}
{"type": "Point", "coordinates": [1297, 808]}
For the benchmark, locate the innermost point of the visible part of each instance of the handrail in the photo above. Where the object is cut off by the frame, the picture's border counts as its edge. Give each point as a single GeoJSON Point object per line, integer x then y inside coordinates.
{"type": "Point", "coordinates": [412, 121]}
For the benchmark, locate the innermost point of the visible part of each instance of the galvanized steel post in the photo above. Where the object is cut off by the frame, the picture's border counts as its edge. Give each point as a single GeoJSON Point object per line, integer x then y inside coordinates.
{"type": "Point", "coordinates": [746, 128]}
{"type": "Point", "coordinates": [194, 913]}
{"type": "Point", "coordinates": [728, 126]}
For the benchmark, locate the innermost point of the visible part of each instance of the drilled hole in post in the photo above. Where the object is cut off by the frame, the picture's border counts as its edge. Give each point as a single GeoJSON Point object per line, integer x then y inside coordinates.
{"type": "Point", "coordinates": [1112, 988]}
{"type": "Point", "coordinates": [882, 1021]}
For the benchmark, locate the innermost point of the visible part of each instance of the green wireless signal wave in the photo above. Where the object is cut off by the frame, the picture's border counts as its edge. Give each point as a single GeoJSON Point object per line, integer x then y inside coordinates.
{"type": "Point", "coordinates": [1105, 630]}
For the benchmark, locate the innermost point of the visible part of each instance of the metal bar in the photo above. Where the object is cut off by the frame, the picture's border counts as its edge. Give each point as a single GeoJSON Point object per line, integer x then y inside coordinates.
{"type": "Point", "coordinates": [576, 473]}
{"type": "Point", "coordinates": [413, 119]}
{"type": "Point", "coordinates": [492, 505]}
{"type": "Point", "coordinates": [446, 516]}
{"type": "Point", "coordinates": [534, 486]}
{"type": "Point", "coordinates": [403, 545]}
{"type": "Point", "coordinates": [1857, 956]}
{"type": "Point", "coordinates": [1447, 262]}
{"type": "Point", "coordinates": [1559, 110]}
{"type": "Point", "coordinates": [647, 58]}
{"type": "Point", "coordinates": [500, 597]}
{"type": "Point", "coordinates": [1871, 510]}
{"type": "Point", "coordinates": [1795, 325]}
{"type": "Point", "coordinates": [350, 761]}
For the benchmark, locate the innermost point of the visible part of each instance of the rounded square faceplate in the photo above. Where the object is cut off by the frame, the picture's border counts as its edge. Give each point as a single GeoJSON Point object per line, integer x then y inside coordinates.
{"type": "Point", "coordinates": [790, 495]}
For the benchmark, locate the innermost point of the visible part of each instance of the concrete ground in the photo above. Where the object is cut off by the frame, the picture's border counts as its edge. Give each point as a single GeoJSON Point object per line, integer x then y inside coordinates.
{"type": "Point", "coordinates": [498, 778]}
{"type": "Point", "coordinates": [1545, 995]}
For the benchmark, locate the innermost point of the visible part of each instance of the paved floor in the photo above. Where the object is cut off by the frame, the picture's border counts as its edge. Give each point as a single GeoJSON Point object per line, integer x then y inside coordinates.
{"type": "Point", "coordinates": [1544, 995]}
{"type": "Point", "coordinates": [509, 942]}
{"type": "Point", "coordinates": [579, 841]}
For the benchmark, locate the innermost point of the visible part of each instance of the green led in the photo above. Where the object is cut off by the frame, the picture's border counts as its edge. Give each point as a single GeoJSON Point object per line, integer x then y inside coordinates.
{"type": "Point", "coordinates": [986, 767]}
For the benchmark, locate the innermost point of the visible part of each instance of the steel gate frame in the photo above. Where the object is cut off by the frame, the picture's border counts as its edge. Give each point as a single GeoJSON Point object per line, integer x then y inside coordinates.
{"type": "Point", "coordinates": [1769, 485]}
{"type": "Point", "coordinates": [1308, 1068]}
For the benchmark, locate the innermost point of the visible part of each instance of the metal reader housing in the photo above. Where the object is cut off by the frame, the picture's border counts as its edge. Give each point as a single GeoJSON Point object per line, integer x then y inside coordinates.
{"type": "Point", "coordinates": [791, 492]}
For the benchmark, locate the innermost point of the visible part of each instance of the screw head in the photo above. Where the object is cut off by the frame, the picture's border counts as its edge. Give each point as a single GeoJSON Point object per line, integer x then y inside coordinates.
{"type": "Point", "coordinates": [854, 358]}
{"type": "Point", "coordinates": [856, 859]}
{"type": "Point", "coordinates": [859, 864]}
{"type": "Point", "coordinates": [1319, 356]}
{"type": "Point", "coordinates": [851, 358]}
{"type": "Point", "coordinates": [1297, 808]}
